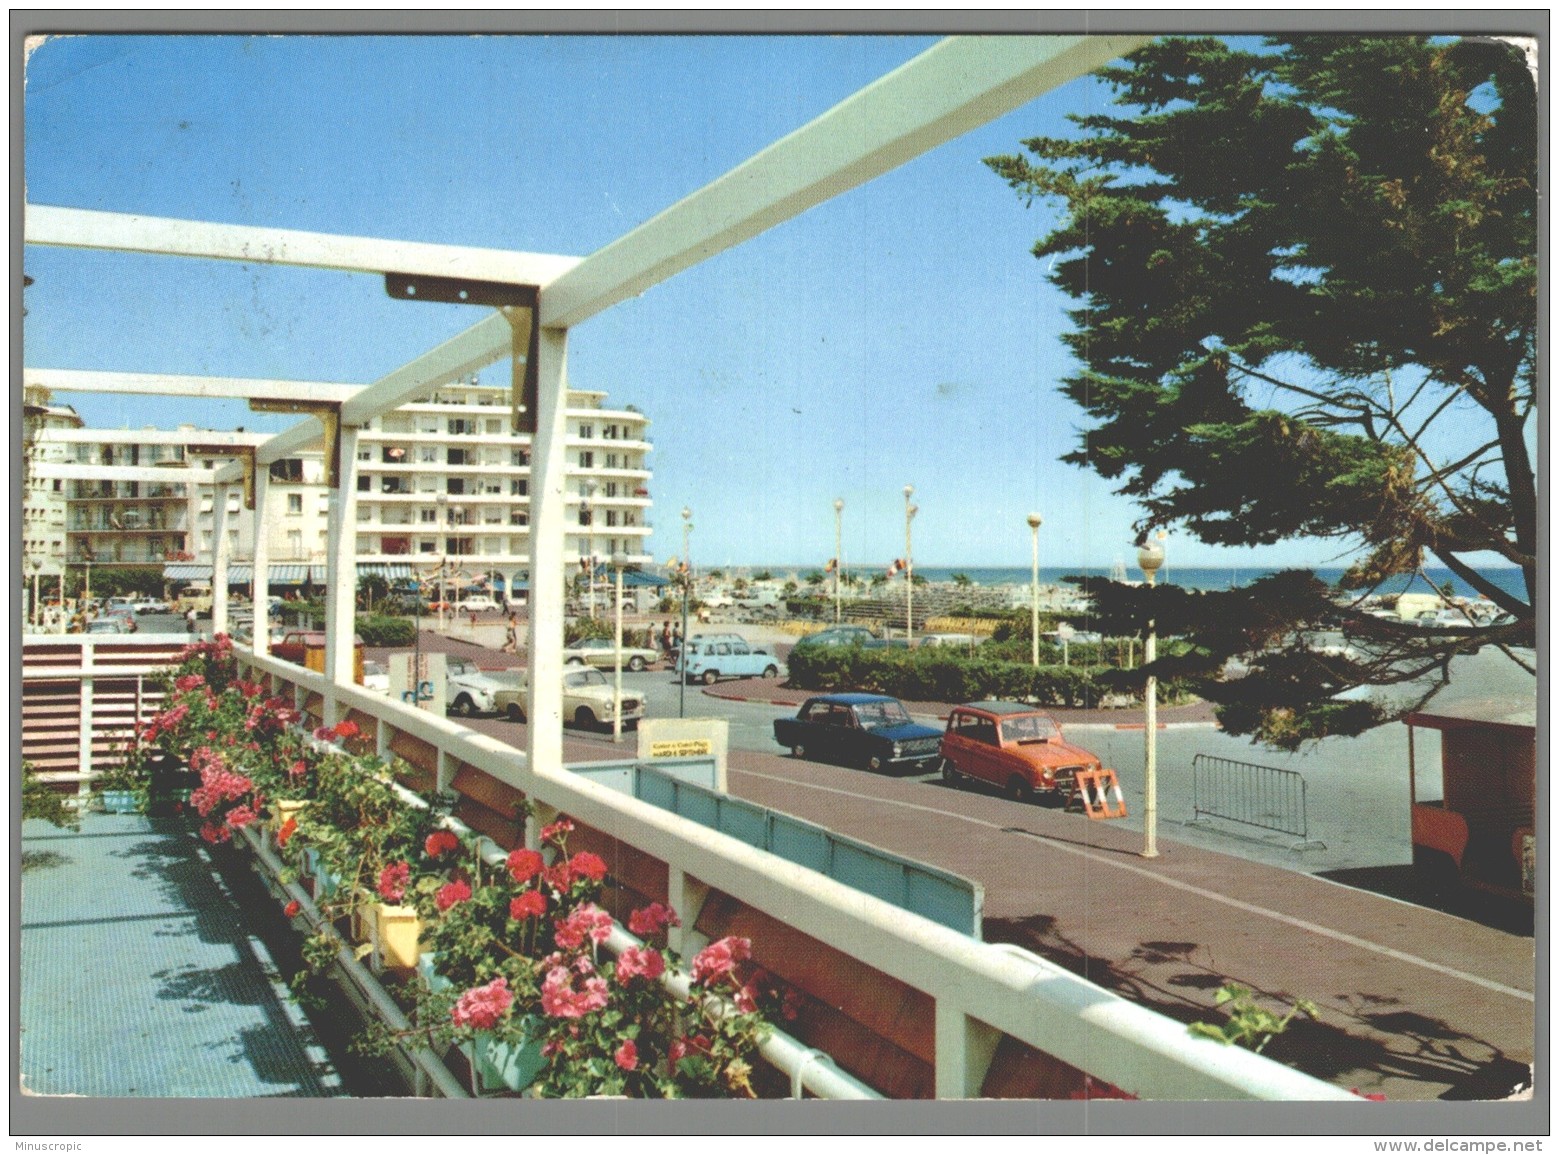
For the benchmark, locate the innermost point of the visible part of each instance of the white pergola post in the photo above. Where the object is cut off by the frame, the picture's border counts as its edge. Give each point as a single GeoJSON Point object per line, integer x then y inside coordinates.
{"type": "Point", "coordinates": [964, 1050]}
{"type": "Point", "coordinates": [341, 571]}
{"type": "Point", "coordinates": [260, 584]}
{"type": "Point", "coordinates": [219, 559]}
{"type": "Point", "coordinates": [549, 472]}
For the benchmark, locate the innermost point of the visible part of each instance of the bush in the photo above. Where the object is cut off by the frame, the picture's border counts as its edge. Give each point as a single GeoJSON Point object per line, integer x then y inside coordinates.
{"type": "Point", "coordinates": [944, 676]}
{"type": "Point", "coordinates": [378, 630]}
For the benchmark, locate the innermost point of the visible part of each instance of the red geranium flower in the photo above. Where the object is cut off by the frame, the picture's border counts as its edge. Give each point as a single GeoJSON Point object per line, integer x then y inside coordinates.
{"type": "Point", "coordinates": [451, 894]}
{"type": "Point", "coordinates": [530, 904]}
{"type": "Point", "coordinates": [524, 865]}
{"type": "Point", "coordinates": [587, 865]}
{"type": "Point", "coordinates": [288, 829]}
{"type": "Point", "coordinates": [627, 1056]}
{"type": "Point", "coordinates": [347, 729]}
{"type": "Point", "coordinates": [292, 908]}
{"type": "Point", "coordinates": [440, 841]}
{"type": "Point", "coordinates": [652, 919]}
{"type": "Point", "coordinates": [393, 881]}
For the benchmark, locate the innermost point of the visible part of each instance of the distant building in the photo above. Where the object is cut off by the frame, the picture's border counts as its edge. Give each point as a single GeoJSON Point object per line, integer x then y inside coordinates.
{"type": "Point", "coordinates": [441, 485]}
{"type": "Point", "coordinates": [44, 499]}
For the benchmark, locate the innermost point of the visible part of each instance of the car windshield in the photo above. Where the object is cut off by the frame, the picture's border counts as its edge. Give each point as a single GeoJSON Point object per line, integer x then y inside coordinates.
{"type": "Point", "coordinates": [1028, 728]}
{"type": "Point", "coordinates": [584, 678]}
{"type": "Point", "coordinates": [874, 714]}
{"type": "Point", "coordinates": [458, 666]}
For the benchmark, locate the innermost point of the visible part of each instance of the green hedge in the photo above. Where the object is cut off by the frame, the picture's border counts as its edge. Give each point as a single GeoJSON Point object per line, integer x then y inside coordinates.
{"type": "Point", "coordinates": [940, 676]}
{"type": "Point", "coordinates": [376, 630]}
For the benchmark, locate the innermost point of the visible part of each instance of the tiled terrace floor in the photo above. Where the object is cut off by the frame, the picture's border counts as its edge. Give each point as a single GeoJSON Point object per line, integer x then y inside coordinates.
{"type": "Point", "coordinates": [139, 977]}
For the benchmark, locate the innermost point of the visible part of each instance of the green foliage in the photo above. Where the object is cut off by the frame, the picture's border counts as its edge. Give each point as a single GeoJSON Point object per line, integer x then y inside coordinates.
{"type": "Point", "coordinates": [1305, 281]}
{"type": "Point", "coordinates": [580, 629]}
{"type": "Point", "coordinates": [386, 631]}
{"type": "Point", "coordinates": [116, 581]}
{"type": "Point", "coordinates": [41, 801]}
{"type": "Point", "coordinates": [1249, 1024]}
{"type": "Point", "coordinates": [941, 675]}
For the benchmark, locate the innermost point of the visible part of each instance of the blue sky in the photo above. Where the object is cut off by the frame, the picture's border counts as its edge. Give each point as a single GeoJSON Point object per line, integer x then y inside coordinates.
{"type": "Point", "coordinates": [899, 334]}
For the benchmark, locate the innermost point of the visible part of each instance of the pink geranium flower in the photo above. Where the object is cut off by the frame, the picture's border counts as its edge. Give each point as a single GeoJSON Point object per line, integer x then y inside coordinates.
{"type": "Point", "coordinates": [652, 919]}
{"type": "Point", "coordinates": [588, 921]}
{"type": "Point", "coordinates": [393, 881]}
{"type": "Point", "coordinates": [560, 999]}
{"type": "Point", "coordinates": [587, 865]}
{"type": "Point", "coordinates": [640, 962]}
{"type": "Point", "coordinates": [556, 830]}
{"type": "Point", "coordinates": [482, 1007]}
{"type": "Point", "coordinates": [719, 958]}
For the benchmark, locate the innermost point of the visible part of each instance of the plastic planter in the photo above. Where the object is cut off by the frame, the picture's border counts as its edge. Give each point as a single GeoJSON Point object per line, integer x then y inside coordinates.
{"type": "Point", "coordinates": [396, 932]}
{"type": "Point", "coordinates": [498, 1066]}
{"type": "Point", "coordinates": [119, 802]}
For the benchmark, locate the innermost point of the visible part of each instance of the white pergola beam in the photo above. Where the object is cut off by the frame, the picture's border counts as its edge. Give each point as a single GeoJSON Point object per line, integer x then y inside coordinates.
{"type": "Point", "coordinates": [956, 85]}
{"type": "Point", "coordinates": [176, 385]}
{"type": "Point", "coordinates": [475, 348]}
{"type": "Point", "coordinates": [128, 232]}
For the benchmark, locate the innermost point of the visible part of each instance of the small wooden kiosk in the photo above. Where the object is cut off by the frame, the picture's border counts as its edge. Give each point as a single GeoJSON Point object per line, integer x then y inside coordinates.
{"type": "Point", "coordinates": [1481, 831]}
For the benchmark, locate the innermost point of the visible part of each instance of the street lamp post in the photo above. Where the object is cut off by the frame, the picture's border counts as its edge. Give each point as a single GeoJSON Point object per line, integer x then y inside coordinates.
{"type": "Point", "coordinates": [37, 573]}
{"type": "Point", "coordinates": [909, 566]}
{"type": "Point", "coordinates": [1034, 521]}
{"type": "Point", "coordinates": [687, 593]}
{"type": "Point", "coordinates": [443, 565]}
{"type": "Point", "coordinates": [587, 507]}
{"type": "Point", "coordinates": [838, 553]}
{"type": "Point", "coordinates": [619, 559]}
{"type": "Point", "coordinates": [1150, 556]}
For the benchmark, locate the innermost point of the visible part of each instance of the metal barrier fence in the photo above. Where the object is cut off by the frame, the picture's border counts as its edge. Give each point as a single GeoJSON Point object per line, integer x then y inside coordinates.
{"type": "Point", "coordinates": [1261, 796]}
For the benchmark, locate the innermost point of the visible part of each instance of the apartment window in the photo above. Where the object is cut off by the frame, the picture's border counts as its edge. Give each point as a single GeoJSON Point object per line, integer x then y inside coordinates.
{"type": "Point", "coordinates": [611, 489]}
{"type": "Point", "coordinates": [457, 457]}
{"type": "Point", "coordinates": [518, 517]}
{"type": "Point", "coordinates": [295, 504]}
{"type": "Point", "coordinates": [206, 504]}
{"type": "Point", "coordinates": [519, 487]}
{"type": "Point", "coordinates": [426, 546]}
{"type": "Point", "coordinates": [494, 425]}
{"type": "Point", "coordinates": [611, 517]}
{"type": "Point", "coordinates": [205, 540]}
{"type": "Point", "coordinates": [455, 485]}
{"type": "Point", "coordinates": [324, 503]}
{"type": "Point", "coordinates": [427, 454]}
{"type": "Point", "coordinates": [586, 459]}
{"type": "Point", "coordinates": [365, 484]}
{"type": "Point", "coordinates": [587, 431]}
{"type": "Point", "coordinates": [517, 457]}
{"type": "Point", "coordinates": [429, 516]}
{"type": "Point", "coordinates": [365, 454]}
{"type": "Point", "coordinates": [611, 461]}
{"type": "Point", "coordinates": [585, 517]}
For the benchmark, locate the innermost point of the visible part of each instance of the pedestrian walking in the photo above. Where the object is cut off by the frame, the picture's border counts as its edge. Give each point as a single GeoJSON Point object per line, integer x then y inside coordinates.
{"type": "Point", "coordinates": [665, 637]}
{"type": "Point", "coordinates": [511, 639]}
{"type": "Point", "coordinates": [189, 619]}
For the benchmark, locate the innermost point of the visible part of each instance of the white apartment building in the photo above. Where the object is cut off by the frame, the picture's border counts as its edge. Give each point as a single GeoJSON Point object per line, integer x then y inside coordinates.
{"type": "Point", "coordinates": [443, 489]}
{"type": "Point", "coordinates": [44, 499]}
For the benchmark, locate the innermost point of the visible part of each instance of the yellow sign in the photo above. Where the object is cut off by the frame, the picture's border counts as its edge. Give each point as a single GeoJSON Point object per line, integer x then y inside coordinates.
{"type": "Point", "coordinates": [685, 748]}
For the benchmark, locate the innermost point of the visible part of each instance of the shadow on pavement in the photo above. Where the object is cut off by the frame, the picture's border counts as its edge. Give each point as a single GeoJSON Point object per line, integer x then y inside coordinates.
{"type": "Point", "coordinates": [1406, 884]}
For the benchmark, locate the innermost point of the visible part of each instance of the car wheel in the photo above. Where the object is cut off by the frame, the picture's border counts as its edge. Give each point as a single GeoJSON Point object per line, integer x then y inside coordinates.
{"type": "Point", "coordinates": [636, 663]}
{"type": "Point", "coordinates": [464, 706]}
{"type": "Point", "coordinates": [798, 751]}
{"type": "Point", "coordinates": [515, 713]}
{"type": "Point", "coordinates": [771, 671]}
{"type": "Point", "coordinates": [584, 717]}
{"type": "Point", "coordinates": [710, 677]}
{"type": "Point", "coordinates": [1019, 790]}
{"type": "Point", "coordinates": [575, 662]}
{"type": "Point", "coordinates": [949, 775]}
{"type": "Point", "coordinates": [873, 762]}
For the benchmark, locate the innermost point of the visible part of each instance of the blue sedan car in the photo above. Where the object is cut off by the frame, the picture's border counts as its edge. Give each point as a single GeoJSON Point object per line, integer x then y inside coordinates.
{"type": "Point", "coordinates": [871, 731]}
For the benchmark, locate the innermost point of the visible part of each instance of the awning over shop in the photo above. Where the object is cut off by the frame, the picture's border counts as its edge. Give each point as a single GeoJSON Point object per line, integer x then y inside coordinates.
{"type": "Point", "coordinates": [282, 574]}
{"type": "Point", "coordinates": [632, 578]}
{"type": "Point", "coordinates": [390, 571]}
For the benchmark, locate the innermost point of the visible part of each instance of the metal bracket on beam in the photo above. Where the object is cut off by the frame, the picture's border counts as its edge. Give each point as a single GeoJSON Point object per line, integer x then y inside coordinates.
{"type": "Point", "coordinates": [329, 415]}
{"type": "Point", "coordinates": [245, 455]}
{"type": "Point", "coordinates": [517, 303]}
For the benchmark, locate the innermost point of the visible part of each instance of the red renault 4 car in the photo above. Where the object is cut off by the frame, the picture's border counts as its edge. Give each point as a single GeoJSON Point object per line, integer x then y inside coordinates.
{"type": "Point", "coordinates": [1011, 746]}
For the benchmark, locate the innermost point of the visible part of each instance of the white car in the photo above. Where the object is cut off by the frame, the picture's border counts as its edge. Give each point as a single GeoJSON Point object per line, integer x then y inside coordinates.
{"type": "Point", "coordinates": [467, 690]}
{"type": "Point", "coordinates": [376, 677]}
{"type": "Point", "coordinates": [587, 700]}
{"type": "Point", "coordinates": [477, 603]}
{"type": "Point", "coordinates": [151, 606]}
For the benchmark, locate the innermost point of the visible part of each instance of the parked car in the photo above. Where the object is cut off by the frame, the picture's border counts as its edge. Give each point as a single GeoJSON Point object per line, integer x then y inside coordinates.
{"type": "Point", "coordinates": [1013, 747]}
{"type": "Point", "coordinates": [476, 603]}
{"type": "Point", "coordinates": [871, 731]}
{"type": "Point", "coordinates": [123, 614]}
{"type": "Point", "coordinates": [710, 661]}
{"type": "Point", "coordinates": [848, 636]}
{"type": "Point", "coordinates": [109, 624]}
{"type": "Point", "coordinates": [1443, 620]}
{"type": "Point", "coordinates": [600, 652]}
{"type": "Point", "coordinates": [467, 689]}
{"type": "Point", "coordinates": [376, 677]}
{"type": "Point", "coordinates": [151, 606]}
{"type": "Point", "coordinates": [587, 700]}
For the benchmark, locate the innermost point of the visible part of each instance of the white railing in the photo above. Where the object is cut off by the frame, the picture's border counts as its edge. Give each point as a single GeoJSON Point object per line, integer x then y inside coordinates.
{"type": "Point", "coordinates": [981, 991]}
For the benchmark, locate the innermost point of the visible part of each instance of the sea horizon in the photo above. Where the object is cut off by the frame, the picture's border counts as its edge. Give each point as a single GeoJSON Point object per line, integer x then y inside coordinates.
{"type": "Point", "coordinates": [1506, 577]}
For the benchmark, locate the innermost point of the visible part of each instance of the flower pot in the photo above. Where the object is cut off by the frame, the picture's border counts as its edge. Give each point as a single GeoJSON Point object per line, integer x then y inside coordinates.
{"type": "Point", "coordinates": [281, 811]}
{"type": "Point", "coordinates": [325, 883]}
{"type": "Point", "coordinates": [396, 932]}
{"type": "Point", "coordinates": [498, 1066]}
{"type": "Point", "coordinates": [425, 964]}
{"type": "Point", "coordinates": [119, 802]}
